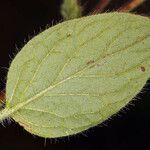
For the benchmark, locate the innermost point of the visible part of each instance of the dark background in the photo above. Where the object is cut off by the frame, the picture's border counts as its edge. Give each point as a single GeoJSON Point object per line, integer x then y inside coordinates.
{"type": "Point", "coordinates": [22, 19]}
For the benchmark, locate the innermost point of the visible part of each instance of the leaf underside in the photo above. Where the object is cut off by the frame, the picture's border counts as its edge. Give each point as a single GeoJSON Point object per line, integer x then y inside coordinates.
{"type": "Point", "coordinates": [78, 73]}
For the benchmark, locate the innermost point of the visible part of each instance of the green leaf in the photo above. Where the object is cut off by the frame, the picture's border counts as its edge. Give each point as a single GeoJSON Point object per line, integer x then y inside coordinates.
{"type": "Point", "coordinates": [70, 9]}
{"type": "Point", "coordinates": [77, 74]}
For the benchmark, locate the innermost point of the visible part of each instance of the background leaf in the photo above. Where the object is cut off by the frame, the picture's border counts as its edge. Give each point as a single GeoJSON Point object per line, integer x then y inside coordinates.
{"type": "Point", "coordinates": [70, 9]}
{"type": "Point", "coordinates": [77, 74]}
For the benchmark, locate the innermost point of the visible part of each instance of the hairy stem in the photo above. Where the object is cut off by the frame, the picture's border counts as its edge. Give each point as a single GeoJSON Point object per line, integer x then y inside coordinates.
{"type": "Point", "coordinates": [130, 5]}
{"type": "Point", "coordinates": [5, 113]}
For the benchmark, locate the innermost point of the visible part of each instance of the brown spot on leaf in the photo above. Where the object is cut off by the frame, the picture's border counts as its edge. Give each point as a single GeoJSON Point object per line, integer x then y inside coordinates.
{"type": "Point", "coordinates": [90, 62]}
{"type": "Point", "coordinates": [25, 125]}
{"type": "Point", "coordinates": [142, 69]}
{"type": "Point", "coordinates": [68, 34]}
{"type": "Point", "coordinates": [92, 66]}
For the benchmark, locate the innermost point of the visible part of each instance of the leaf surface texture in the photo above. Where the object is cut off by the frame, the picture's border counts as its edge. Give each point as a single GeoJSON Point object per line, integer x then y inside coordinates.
{"type": "Point", "coordinates": [78, 73]}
